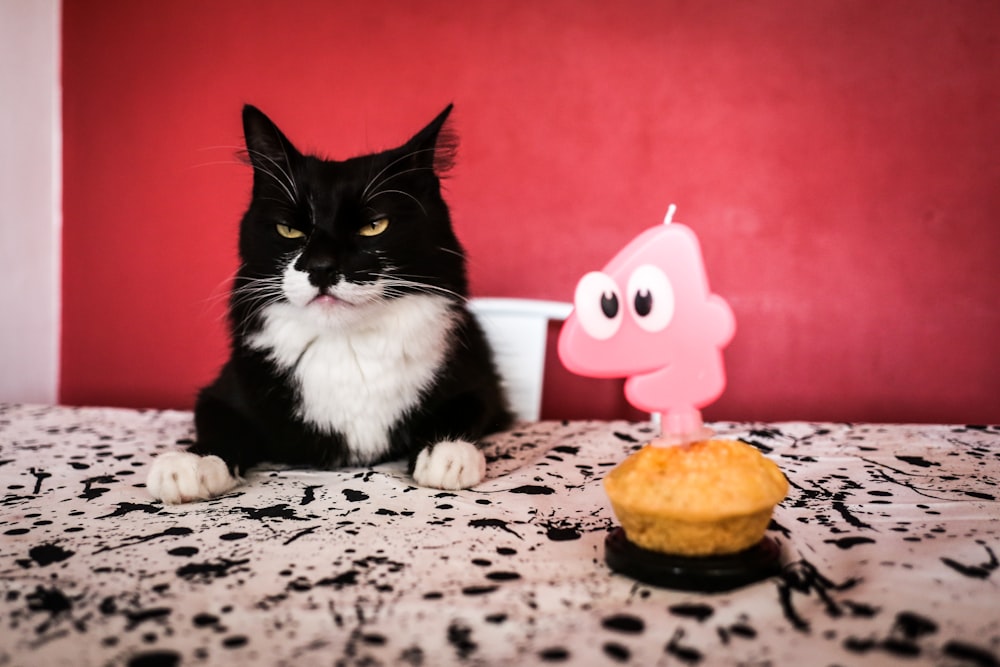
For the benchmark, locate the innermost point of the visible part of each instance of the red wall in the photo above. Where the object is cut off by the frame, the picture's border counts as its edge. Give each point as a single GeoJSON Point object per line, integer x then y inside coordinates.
{"type": "Point", "coordinates": [837, 158]}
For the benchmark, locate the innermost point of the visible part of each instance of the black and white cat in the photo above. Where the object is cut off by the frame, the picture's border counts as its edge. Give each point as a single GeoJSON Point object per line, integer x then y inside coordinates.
{"type": "Point", "coordinates": [350, 340]}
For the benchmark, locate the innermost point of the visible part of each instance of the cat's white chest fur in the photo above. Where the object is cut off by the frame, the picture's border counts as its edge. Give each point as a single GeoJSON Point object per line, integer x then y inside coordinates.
{"type": "Point", "coordinates": [358, 372]}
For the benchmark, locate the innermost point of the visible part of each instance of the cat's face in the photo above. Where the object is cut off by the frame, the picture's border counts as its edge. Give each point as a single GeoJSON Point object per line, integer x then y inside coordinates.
{"type": "Point", "coordinates": [336, 238]}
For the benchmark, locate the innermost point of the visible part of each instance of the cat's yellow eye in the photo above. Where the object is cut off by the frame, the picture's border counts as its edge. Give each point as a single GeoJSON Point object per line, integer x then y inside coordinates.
{"type": "Point", "coordinates": [374, 228]}
{"type": "Point", "coordinates": [289, 232]}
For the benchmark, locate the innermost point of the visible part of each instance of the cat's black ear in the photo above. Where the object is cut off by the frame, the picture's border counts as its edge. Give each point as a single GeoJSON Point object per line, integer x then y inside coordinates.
{"type": "Point", "coordinates": [269, 151]}
{"type": "Point", "coordinates": [435, 145]}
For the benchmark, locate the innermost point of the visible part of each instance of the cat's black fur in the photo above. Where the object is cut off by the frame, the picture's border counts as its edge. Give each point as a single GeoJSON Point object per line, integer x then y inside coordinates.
{"type": "Point", "coordinates": [250, 413]}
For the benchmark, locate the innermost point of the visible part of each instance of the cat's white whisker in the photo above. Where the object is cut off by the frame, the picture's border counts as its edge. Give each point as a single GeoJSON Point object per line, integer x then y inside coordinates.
{"type": "Point", "coordinates": [282, 202]}
{"type": "Point", "coordinates": [288, 163]}
{"type": "Point", "coordinates": [222, 289]}
{"type": "Point", "coordinates": [215, 163]}
{"type": "Point", "coordinates": [228, 147]}
{"type": "Point", "coordinates": [392, 176]}
{"type": "Point", "coordinates": [404, 285]}
{"type": "Point", "coordinates": [257, 293]}
{"type": "Point", "coordinates": [371, 183]}
{"type": "Point", "coordinates": [233, 160]}
{"type": "Point", "coordinates": [288, 185]}
{"type": "Point", "coordinates": [291, 197]}
{"type": "Point", "coordinates": [399, 192]}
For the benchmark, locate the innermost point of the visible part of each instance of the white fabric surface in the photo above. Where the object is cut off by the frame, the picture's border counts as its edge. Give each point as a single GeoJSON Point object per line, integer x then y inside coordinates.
{"type": "Point", "coordinates": [890, 536]}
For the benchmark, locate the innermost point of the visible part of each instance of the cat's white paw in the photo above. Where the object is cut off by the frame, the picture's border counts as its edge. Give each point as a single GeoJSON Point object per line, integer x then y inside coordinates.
{"type": "Point", "coordinates": [450, 464]}
{"type": "Point", "coordinates": [181, 477]}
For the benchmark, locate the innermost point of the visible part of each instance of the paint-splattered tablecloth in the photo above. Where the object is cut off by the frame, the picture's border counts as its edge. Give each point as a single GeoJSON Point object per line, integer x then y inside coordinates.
{"type": "Point", "coordinates": [890, 539]}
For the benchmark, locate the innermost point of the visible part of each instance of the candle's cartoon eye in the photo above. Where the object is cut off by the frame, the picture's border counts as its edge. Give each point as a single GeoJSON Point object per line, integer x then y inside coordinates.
{"type": "Point", "coordinates": [643, 303]}
{"type": "Point", "coordinates": [609, 305]}
{"type": "Point", "coordinates": [651, 298]}
{"type": "Point", "coordinates": [598, 305]}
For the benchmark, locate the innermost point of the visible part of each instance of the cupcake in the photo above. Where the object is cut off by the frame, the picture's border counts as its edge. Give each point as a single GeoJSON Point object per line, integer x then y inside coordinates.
{"type": "Point", "coordinates": [705, 498]}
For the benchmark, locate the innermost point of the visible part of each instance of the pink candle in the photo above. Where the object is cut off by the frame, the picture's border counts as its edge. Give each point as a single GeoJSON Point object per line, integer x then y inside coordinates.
{"type": "Point", "coordinates": [649, 316]}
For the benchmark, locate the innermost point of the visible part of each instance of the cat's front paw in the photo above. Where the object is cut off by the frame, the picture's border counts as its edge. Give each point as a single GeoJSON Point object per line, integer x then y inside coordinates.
{"type": "Point", "coordinates": [450, 464]}
{"type": "Point", "coordinates": [181, 477]}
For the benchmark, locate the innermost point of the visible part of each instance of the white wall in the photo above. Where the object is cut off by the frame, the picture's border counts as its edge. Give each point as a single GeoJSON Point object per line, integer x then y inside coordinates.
{"type": "Point", "coordinates": [30, 200]}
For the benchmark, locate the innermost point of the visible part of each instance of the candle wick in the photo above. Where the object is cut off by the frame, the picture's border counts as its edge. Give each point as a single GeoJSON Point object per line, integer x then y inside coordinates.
{"type": "Point", "coordinates": [670, 214]}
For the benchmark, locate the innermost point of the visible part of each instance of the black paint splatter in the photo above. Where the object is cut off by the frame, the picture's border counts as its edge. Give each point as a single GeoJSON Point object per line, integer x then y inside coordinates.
{"type": "Point", "coordinates": [279, 511]}
{"type": "Point", "coordinates": [914, 626]}
{"type": "Point", "coordinates": [861, 609]}
{"type": "Point", "coordinates": [803, 577]}
{"type": "Point", "coordinates": [204, 620]}
{"type": "Point", "coordinates": [849, 517]}
{"type": "Point", "coordinates": [534, 490]}
{"type": "Point", "coordinates": [40, 476]}
{"type": "Point", "coordinates": [918, 461]}
{"type": "Point", "coordinates": [980, 571]}
{"type": "Point", "coordinates": [616, 652]}
{"type": "Point", "coordinates": [974, 655]}
{"type": "Point", "coordinates": [743, 631]}
{"type": "Point", "coordinates": [562, 533]}
{"type": "Point", "coordinates": [108, 606]}
{"type": "Point", "coordinates": [185, 552]}
{"type": "Point", "coordinates": [354, 496]}
{"type": "Point", "coordinates": [764, 449]}
{"type": "Point", "coordinates": [309, 494]}
{"type": "Point", "coordinates": [493, 523]}
{"type": "Point", "coordinates": [349, 578]}
{"type": "Point", "coordinates": [690, 655]}
{"type": "Point", "coordinates": [47, 554]}
{"type": "Point", "coordinates": [460, 636]}
{"type": "Point", "coordinates": [155, 659]}
{"type": "Point", "coordinates": [126, 508]}
{"type": "Point", "coordinates": [413, 656]}
{"type": "Point", "coordinates": [51, 600]}
{"type": "Point", "coordinates": [624, 623]}
{"type": "Point", "coordinates": [848, 542]}
{"type": "Point", "coordinates": [209, 571]}
{"type": "Point", "coordinates": [301, 533]}
{"type": "Point", "coordinates": [89, 492]}
{"type": "Point", "coordinates": [554, 654]}
{"type": "Point", "coordinates": [142, 615]}
{"type": "Point", "coordinates": [175, 531]}
{"type": "Point", "coordinates": [777, 527]}
{"type": "Point", "coordinates": [701, 612]}
{"type": "Point", "coordinates": [908, 628]}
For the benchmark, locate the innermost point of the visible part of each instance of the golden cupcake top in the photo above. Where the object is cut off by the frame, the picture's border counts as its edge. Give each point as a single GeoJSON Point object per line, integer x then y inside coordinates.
{"type": "Point", "coordinates": [699, 481]}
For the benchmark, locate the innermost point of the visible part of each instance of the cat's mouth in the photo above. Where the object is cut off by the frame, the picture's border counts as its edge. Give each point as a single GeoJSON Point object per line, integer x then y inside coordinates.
{"type": "Point", "coordinates": [334, 297]}
{"type": "Point", "coordinates": [328, 301]}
